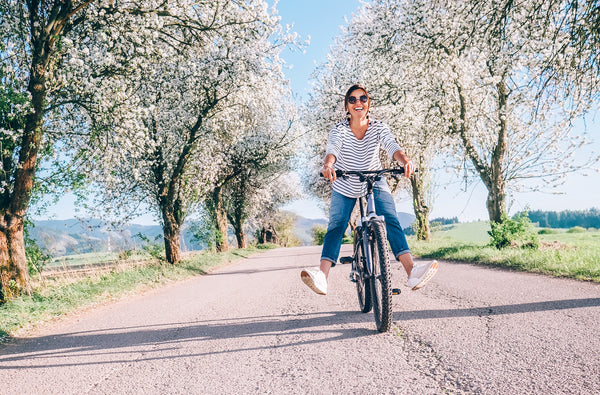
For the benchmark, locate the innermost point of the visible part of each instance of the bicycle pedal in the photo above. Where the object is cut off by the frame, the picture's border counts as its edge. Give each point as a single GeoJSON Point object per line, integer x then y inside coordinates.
{"type": "Point", "coordinates": [345, 259]}
{"type": "Point", "coordinates": [396, 291]}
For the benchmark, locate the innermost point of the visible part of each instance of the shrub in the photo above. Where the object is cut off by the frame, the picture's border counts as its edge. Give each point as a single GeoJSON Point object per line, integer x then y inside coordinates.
{"type": "Point", "coordinates": [576, 229]}
{"type": "Point", "coordinates": [318, 234]}
{"type": "Point", "coordinates": [547, 231]}
{"type": "Point", "coordinates": [348, 239]}
{"type": "Point", "coordinates": [155, 248]}
{"type": "Point", "coordinates": [517, 231]}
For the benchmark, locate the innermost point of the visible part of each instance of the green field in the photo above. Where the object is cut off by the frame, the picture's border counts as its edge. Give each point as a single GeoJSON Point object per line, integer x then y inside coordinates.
{"type": "Point", "coordinates": [564, 254]}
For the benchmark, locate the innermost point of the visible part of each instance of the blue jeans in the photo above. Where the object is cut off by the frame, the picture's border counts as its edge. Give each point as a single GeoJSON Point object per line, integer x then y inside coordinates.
{"type": "Point", "coordinates": [340, 210]}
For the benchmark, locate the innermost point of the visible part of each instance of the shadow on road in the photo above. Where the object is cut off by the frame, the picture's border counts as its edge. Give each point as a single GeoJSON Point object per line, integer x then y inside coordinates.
{"type": "Point", "coordinates": [166, 341]}
{"type": "Point", "coordinates": [498, 310]}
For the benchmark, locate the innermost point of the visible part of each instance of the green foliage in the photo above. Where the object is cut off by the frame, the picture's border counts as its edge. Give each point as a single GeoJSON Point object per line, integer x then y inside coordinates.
{"type": "Point", "coordinates": [266, 246]}
{"type": "Point", "coordinates": [205, 232]}
{"type": "Point", "coordinates": [546, 231]}
{"type": "Point", "coordinates": [285, 223]}
{"type": "Point", "coordinates": [155, 248]}
{"type": "Point", "coordinates": [347, 239]}
{"type": "Point", "coordinates": [125, 254]}
{"type": "Point", "coordinates": [517, 231]}
{"type": "Point", "coordinates": [566, 219]}
{"type": "Point", "coordinates": [37, 259]}
{"type": "Point", "coordinates": [318, 234]}
{"type": "Point", "coordinates": [576, 229]}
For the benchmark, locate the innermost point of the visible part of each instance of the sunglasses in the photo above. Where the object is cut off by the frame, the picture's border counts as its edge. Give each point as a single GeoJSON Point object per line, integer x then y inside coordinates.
{"type": "Point", "coordinates": [363, 98]}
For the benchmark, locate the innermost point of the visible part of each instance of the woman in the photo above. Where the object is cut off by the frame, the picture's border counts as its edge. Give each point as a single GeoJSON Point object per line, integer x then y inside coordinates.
{"type": "Point", "coordinates": [354, 144]}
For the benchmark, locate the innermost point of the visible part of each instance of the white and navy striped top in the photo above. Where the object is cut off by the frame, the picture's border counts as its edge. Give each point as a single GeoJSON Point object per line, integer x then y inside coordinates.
{"type": "Point", "coordinates": [354, 154]}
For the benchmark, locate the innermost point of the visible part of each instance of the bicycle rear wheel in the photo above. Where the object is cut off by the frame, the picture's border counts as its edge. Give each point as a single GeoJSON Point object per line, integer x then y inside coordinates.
{"type": "Point", "coordinates": [363, 288]}
{"type": "Point", "coordinates": [381, 284]}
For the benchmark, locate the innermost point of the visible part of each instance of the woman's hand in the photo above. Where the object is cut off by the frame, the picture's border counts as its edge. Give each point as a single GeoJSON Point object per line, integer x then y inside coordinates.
{"type": "Point", "coordinates": [328, 172]}
{"type": "Point", "coordinates": [409, 168]}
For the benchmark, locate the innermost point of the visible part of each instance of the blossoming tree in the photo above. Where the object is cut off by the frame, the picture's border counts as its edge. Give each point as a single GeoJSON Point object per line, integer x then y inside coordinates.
{"type": "Point", "coordinates": [170, 128]}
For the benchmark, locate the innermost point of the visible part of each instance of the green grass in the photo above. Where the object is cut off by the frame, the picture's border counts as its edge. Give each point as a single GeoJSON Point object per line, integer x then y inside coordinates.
{"type": "Point", "coordinates": [573, 255]}
{"type": "Point", "coordinates": [472, 232]}
{"type": "Point", "coordinates": [59, 297]}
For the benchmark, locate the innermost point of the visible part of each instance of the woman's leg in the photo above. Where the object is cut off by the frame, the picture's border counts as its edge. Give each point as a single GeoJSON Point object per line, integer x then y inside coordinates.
{"type": "Point", "coordinates": [384, 205]}
{"type": "Point", "coordinates": [340, 210]}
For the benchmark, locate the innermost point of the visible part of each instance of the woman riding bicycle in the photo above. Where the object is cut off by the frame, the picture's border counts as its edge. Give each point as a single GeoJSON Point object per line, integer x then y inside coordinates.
{"type": "Point", "coordinates": [354, 144]}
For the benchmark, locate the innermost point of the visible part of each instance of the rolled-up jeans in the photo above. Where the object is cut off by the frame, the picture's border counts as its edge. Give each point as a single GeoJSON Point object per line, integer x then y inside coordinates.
{"type": "Point", "coordinates": [340, 210]}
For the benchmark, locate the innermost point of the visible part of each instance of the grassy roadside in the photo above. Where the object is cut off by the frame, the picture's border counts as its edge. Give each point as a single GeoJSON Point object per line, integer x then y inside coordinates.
{"type": "Point", "coordinates": [57, 297]}
{"type": "Point", "coordinates": [562, 254]}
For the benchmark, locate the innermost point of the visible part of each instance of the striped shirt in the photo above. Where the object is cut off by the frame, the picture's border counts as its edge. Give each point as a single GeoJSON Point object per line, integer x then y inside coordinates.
{"type": "Point", "coordinates": [354, 154]}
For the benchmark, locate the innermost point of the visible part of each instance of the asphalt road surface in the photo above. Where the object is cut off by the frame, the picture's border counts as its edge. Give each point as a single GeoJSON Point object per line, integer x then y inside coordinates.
{"type": "Point", "coordinates": [254, 327]}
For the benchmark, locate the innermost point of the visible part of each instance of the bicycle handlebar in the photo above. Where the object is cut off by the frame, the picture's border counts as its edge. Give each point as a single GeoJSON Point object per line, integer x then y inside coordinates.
{"type": "Point", "coordinates": [342, 173]}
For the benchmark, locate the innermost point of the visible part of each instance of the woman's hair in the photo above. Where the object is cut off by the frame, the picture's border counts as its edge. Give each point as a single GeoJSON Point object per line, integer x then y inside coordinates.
{"type": "Point", "coordinates": [352, 89]}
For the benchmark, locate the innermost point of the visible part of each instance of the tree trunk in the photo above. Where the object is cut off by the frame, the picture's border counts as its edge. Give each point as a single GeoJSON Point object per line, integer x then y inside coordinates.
{"type": "Point", "coordinates": [238, 228]}
{"type": "Point", "coordinates": [219, 215]}
{"type": "Point", "coordinates": [491, 174]}
{"type": "Point", "coordinates": [240, 236]}
{"type": "Point", "coordinates": [423, 230]}
{"type": "Point", "coordinates": [171, 234]}
{"type": "Point", "coordinates": [236, 218]}
{"type": "Point", "coordinates": [13, 263]}
{"type": "Point", "coordinates": [496, 201]}
{"type": "Point", "coordinates": [14, 276]}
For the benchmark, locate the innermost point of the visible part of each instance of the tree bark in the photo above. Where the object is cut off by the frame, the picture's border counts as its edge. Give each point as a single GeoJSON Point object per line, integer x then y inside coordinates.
{"type": "Point", "coordinates": [423, 230]}
{"type": "Point", "coordinates": [236, 218]}
{"type": "Point", "coordinates": [240, 236]}
{"type": "Point", "coordinates": [238, 228]}
{"type": "Point", "coordinates": [171, 234]}
{"type": "Point", "coordinates": [14, 276]}
{"type": "Point", "coordinates": [496, 200]}
{"type": "Point", "coordinates": [219, 214]}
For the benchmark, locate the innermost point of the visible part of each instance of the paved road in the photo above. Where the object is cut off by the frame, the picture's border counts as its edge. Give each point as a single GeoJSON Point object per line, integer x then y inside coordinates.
{"type": "Point", "coordinates": [253, 327]}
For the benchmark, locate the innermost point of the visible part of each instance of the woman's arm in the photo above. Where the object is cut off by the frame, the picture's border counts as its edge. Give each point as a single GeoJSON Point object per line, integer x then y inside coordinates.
{"type": "Point", "coordinates": [409, 167]}
{"type": "Point", "coordinates": [327, 170]}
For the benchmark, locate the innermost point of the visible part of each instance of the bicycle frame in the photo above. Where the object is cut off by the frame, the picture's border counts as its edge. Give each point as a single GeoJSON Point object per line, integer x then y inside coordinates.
{"type": "Point", "coordinates": [365, 220]}
{"type": "Point", "coordinates": [370, 177]}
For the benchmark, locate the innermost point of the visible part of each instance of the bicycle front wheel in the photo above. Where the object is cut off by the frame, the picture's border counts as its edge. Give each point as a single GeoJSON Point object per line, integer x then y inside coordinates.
{"type": "Point", "coordinates": [381, 282]}
{"type": "Point", "coordinates": [363, 288]}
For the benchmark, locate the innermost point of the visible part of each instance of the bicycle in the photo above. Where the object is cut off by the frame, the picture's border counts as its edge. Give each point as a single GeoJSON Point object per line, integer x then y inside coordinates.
{"type": "Point", "coordinates": [370, 259]}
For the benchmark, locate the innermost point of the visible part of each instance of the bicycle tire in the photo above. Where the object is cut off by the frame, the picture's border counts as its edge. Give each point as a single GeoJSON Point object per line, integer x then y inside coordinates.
{"type": "Point", "coordinates": [381, 284]}
{"type": "Point", "coordinates": [363, 288]}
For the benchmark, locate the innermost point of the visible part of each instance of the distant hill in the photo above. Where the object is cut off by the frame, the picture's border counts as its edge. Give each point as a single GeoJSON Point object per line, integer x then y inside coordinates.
{"type": "Point", "coordinates": [304, 225]}
{"type": "Point", "coordinates": [406, 219]}
{"type": "Point", "coordinates": [72, 236]}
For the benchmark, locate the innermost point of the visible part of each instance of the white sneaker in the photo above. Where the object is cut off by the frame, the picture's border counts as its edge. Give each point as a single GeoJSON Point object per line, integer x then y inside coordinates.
{"type": "Point", "coordinates": [315, 279]}
{"type": "Point", "coordinates": [420, 275]}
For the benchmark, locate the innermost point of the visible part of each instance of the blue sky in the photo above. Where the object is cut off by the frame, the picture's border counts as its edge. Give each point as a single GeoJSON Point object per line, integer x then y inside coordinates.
{"type": "Point", "coordinates": [321, 20]}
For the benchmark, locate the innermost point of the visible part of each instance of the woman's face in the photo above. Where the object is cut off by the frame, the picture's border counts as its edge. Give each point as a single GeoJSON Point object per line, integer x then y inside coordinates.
{"type": "Point", "coordinates": [360, 108]}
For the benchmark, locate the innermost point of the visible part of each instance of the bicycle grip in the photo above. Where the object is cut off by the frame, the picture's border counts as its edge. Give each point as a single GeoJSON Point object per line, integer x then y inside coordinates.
{"type": "Point", "coordinates": [338, 173]}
